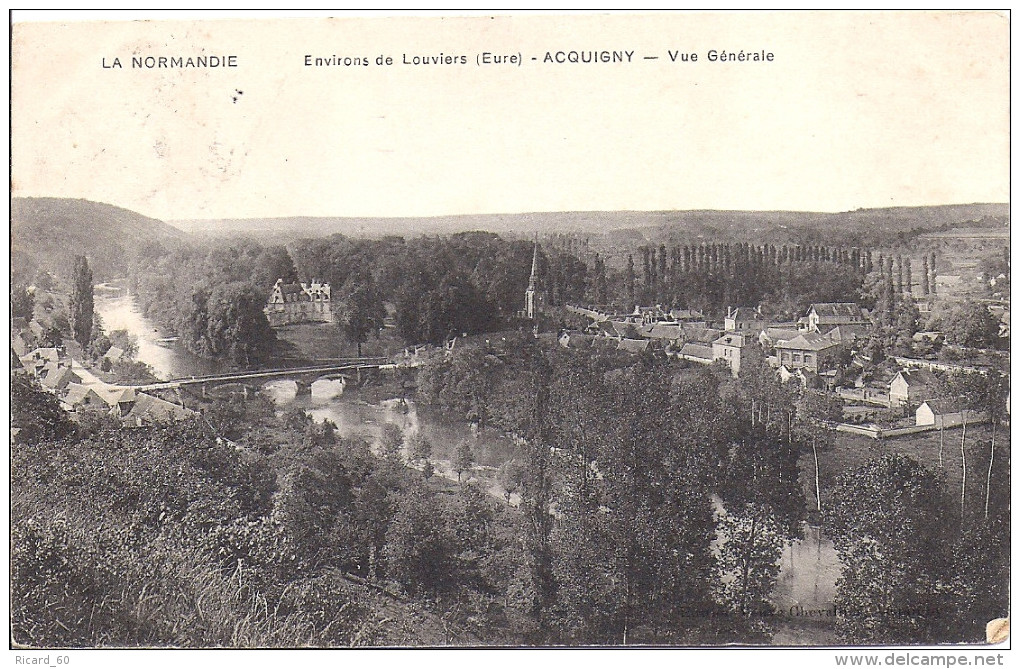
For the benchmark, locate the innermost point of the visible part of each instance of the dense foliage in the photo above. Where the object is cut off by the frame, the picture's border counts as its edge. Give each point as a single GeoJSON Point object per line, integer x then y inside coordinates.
{"type": "Point", "coordinates": [172, 536]}
{"type": "Point", "coordinates": [904, 578]}
{"type": "Point", "coordinates": [212, 296]}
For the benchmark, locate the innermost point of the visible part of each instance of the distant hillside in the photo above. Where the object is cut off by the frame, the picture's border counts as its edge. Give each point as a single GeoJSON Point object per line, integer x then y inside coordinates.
{"type": "Point", "coordinates": [309, 226]}
{"type": "Point", "coordinates": [46, 233]}
{"type": "Point", "coordinates": [625, 225]}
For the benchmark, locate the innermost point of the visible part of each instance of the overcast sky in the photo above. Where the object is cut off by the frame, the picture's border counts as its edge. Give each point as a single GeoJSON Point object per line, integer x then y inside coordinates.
{"type": "Point", "coordinates": [855, 110]}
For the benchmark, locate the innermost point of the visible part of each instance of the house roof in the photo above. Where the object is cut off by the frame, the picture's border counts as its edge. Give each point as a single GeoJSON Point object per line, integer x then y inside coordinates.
{"type": "Point", "coordinates": [703, 335]}
{"type": "Point", "coordinates": [620, 329]}
{"type": "Point", "coordinates": [941, 407]}
{"type": "Point", "coordinates": [730, 339]}
{"type": "Point", "coordinates": [744, 314]}
{"type": "Point", "coordinates": [78, 393]}
{"type": "Point", "coordinates": [777, 334]}
{"type": "Point", "coordinates": [662, 331]}
{"type": "Point", "coordinates": [837, 310]}
{"type": "Point", "coordinates": [916, 378]}
{"type": "Point", "coordinates": [686, 314]}
{"type": "Point", "coordinates": [58, 377]}
{"type": "Point", "coordinates": [49, 353]}
{"type": "Point", "coordinates": [148, 408]}
{"type": "Point", "coordinates": [18, 345]}
{"type": "Point", "coordinates": [847, 331]}
{"type": "Point", "coordinates": [808, 341]}
{"type": "Point", "coordinates": [115, 353]}
{"type": "Point", "coordinates": [700, 351]}
{"type": "Point", "coordinates": [633, 345]}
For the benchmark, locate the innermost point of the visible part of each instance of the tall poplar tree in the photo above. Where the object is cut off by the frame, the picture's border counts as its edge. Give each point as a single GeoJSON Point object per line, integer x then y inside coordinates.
{"type": "Point", "coordinates": [81, 306]}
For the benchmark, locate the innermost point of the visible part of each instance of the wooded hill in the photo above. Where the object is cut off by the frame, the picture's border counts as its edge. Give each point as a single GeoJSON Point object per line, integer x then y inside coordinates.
{"type": "Point", "coordinates": [47, 233]}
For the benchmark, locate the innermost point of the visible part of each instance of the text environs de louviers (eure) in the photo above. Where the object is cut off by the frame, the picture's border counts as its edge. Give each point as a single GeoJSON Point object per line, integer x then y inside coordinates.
{"type": "Point", "coordinates": [559, 57]}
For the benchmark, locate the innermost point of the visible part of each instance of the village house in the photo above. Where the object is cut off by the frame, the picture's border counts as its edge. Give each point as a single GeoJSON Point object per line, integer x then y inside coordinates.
{"type": "Point", "coordinates": [930, 337]}
{"type": "Point", "coordinates": [824, 316]}
{"type": "Point", "coordinates": [299, 303]}
{"type": "Point", "coordinates": [114, 354]}
{"type": "Point", "coordinates": [805, 377]}
{"type": "Point", "coordinates": [61, 375]}
{"type": "Point", "coordinates": [78, 396]}
{"type": "Point", "coordinates": [848, 333]}
{"type": "Point", "coordinates": [774, 334]}
{"type": "Point", "coordinates": [741, 319]}
{"type": "Point", "coordinates": [575, 340]}
{"type": "Point", "coordinates": [617, 329]}
{"type": "Point", "coordinates": [135, 409]}
{"type": "Point", "coordinates": [946, 413]}
{"type": "Point", "coordinates": [648, 315]}
{"type": "Point", "coordinates": [692, 316]}
{"type": "Point", "coordinates": [910, 386]}
{"type": "Point", "coordinates": [703, 335]}
{"type": "Point", "coordinates": [695, 352]}
{"type": "Point", "coordinates": [34, 361]}
{"type": "Point", "coordinates": [808, 350]}
{"type": "Point", "coordinates": [55, 376]}
{"type": "Point", "coordinates": [728, 348]}
{"type": "Point", "coordinates": [662, 331]}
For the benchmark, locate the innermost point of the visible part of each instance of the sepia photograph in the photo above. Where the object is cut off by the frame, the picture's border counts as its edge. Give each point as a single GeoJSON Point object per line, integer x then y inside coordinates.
{"type": "Point", "coordinates": [519, 330]}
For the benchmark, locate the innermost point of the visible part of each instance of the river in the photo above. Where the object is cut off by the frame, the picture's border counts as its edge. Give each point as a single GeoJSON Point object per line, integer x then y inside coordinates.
{"type": "Point", "coordinates": [119, 311]}
{"type": "Point", "coordinates": [809, 567]}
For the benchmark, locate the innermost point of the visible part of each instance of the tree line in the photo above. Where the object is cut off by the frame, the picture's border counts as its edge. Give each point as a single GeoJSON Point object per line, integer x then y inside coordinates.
{"type": "Point", "coordinates": [436, 288]}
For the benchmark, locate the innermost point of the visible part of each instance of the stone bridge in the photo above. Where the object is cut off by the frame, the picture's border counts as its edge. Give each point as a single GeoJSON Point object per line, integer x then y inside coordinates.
{"type": "Point", "coordinates": [303, 376]}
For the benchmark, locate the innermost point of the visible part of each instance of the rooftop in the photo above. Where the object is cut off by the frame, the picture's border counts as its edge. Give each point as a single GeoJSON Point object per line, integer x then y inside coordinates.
{"type": "Point", "coordinates": [693, 350]}
{"type": "Point", "coordinates": [808, 341]}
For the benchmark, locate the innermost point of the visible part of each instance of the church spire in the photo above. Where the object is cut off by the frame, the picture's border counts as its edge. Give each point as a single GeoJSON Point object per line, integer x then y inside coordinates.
{"type": "Point", "coordinates": [529, 296]}
{"type": "Point", "coordinates": [534, 266]}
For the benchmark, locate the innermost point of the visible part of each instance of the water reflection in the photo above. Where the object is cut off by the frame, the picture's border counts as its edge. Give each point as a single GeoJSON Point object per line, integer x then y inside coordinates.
{"type": "Point", "coordinates": [355, 418]}
{"type": "Point", "coordinates": [808, 573]}
{"type": "Point", "coordinates": [805, 591]}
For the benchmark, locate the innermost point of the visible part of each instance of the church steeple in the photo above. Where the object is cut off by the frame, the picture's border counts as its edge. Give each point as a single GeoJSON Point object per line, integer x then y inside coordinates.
{"type": "Point", "coordinates": [529, 295]}
{"type": "Point", "coordinates": [534, 267]}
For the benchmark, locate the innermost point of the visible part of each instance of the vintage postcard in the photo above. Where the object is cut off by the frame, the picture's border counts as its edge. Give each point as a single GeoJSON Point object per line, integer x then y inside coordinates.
{"type": "Point", "coordinates": [681, 330]}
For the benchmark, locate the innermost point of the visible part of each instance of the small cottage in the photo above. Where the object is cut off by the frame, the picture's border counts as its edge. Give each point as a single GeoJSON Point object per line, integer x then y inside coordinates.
{"type": "Point", "coordinates": [911, 386]}
{"type": "Point", "coordinates": [946, 413]}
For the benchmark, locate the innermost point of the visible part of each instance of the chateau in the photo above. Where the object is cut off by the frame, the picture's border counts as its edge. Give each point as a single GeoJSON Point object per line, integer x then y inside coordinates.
{"type": "Point", "coordinates": [299, 303]}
